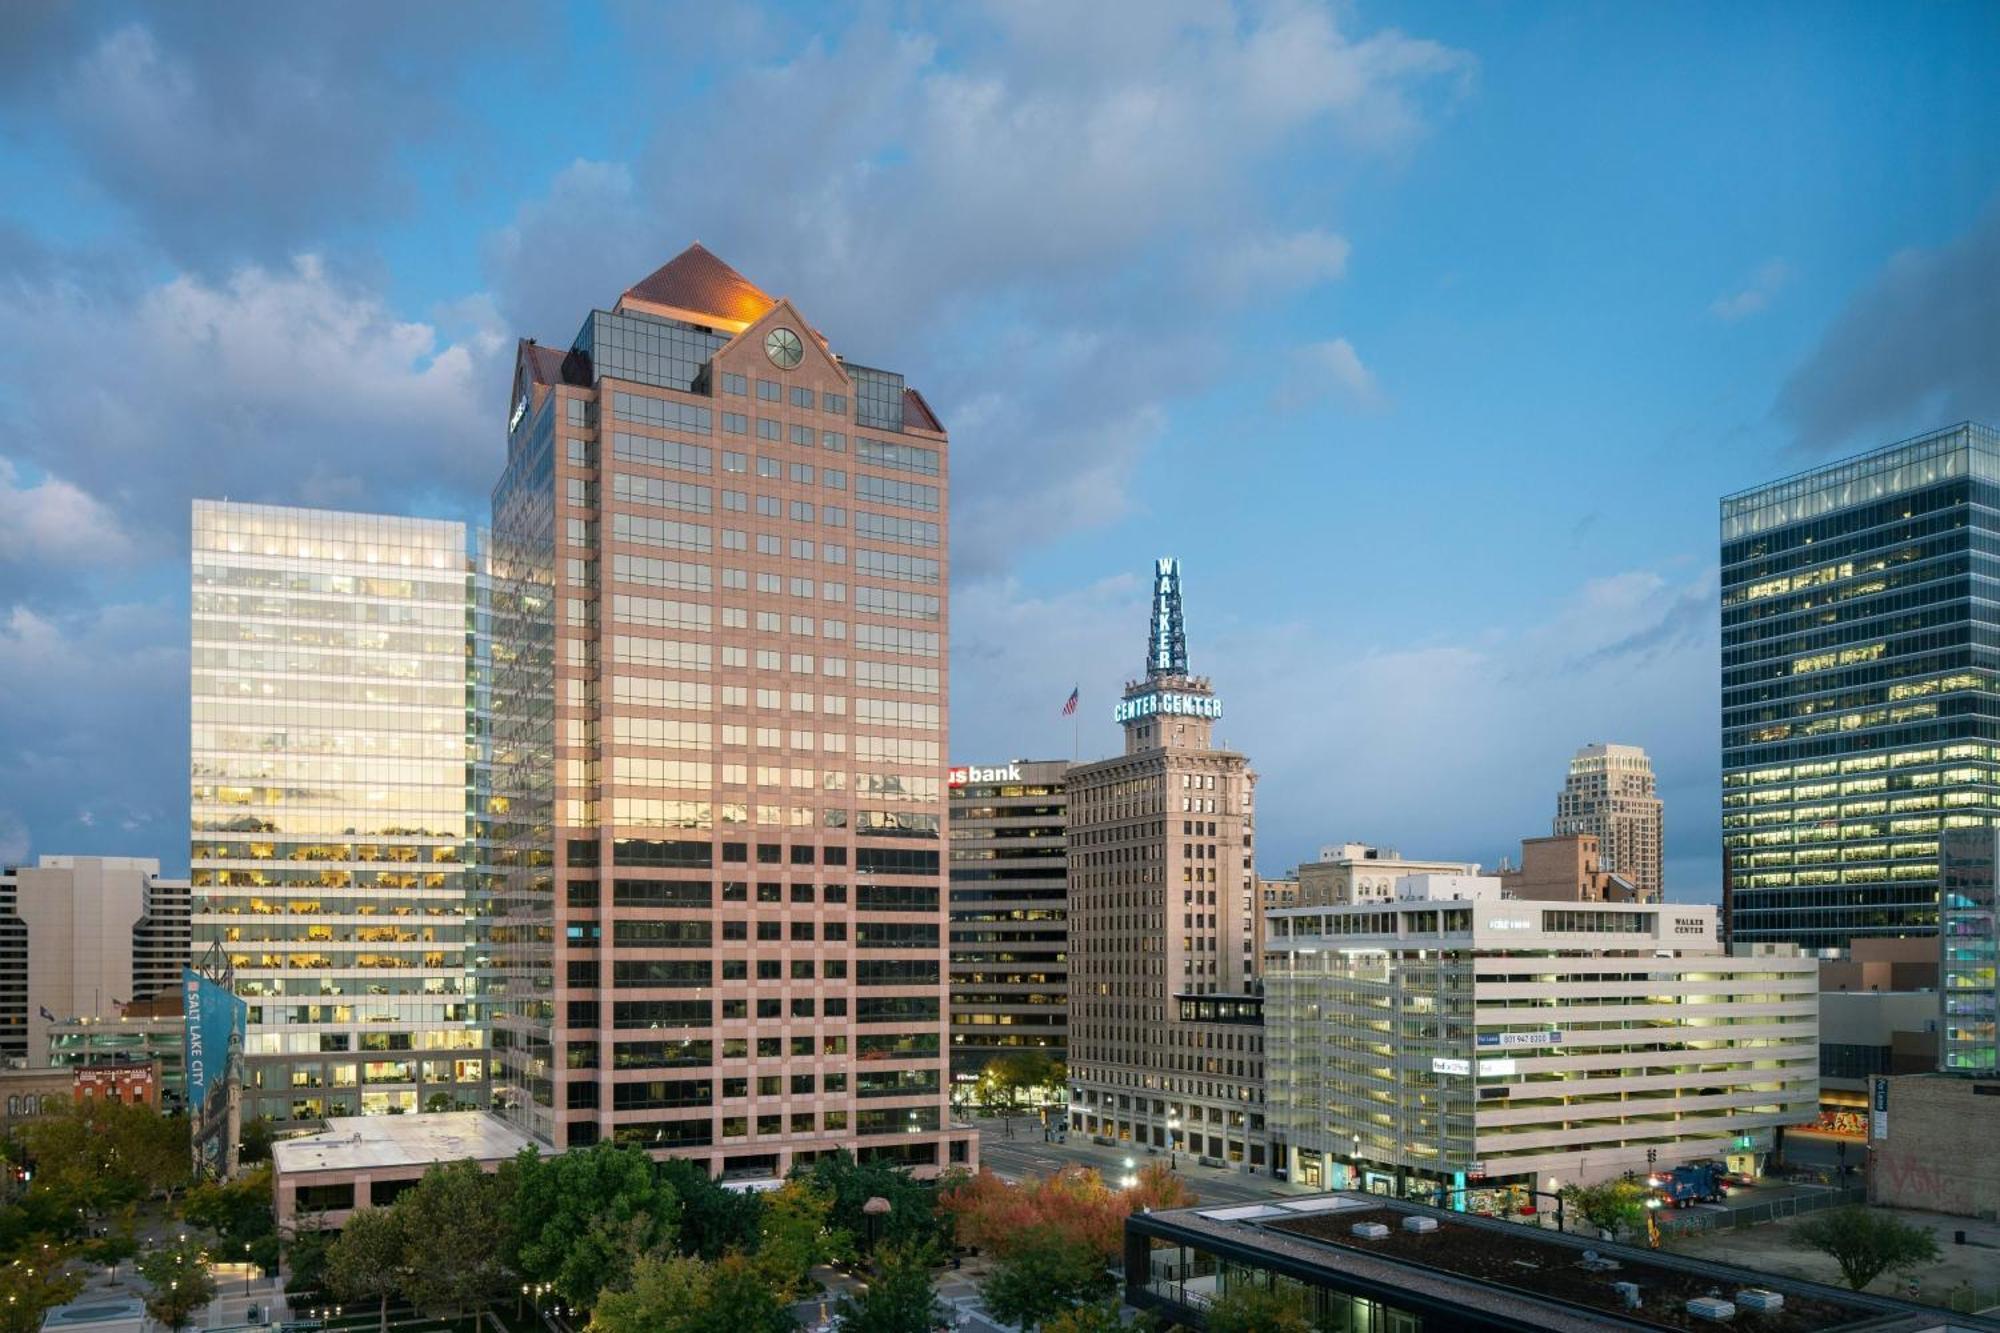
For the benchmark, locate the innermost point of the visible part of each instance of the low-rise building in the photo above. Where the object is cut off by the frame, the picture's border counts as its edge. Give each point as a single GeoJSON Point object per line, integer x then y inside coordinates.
{"type": "Point", "coordinates": [1356, 872]}
{"type": "Point", "coordinates": [366, 1161]}
{"type": "Point", "coordinates": [1359, 1262]}
{"type": "Point", "coordinates": [1456, 1040]}
{"type": "Point", "coordinates": [1568, 867]}
{"type": "Point", "coordinates": [1878, 1014]}
{"type": "Point", "coordinates": [1930, 1140]}
{"type": "Point", "coordinates": [148, 1031]}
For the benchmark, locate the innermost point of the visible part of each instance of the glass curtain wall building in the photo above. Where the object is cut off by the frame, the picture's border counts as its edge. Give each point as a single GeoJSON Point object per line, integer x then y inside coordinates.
{"type": "Point", "coordinates": [1969, 971]}
{"type": "Point", "coordinates": [1860, 647]}
{"type": "Point", "coordinates": [712, 906]}
{"type": "Point", "coordinates": [329, 812]}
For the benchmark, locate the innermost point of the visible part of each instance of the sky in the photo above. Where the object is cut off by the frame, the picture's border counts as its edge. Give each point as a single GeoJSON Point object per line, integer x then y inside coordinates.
{"type": "Point", "coordinates": [1426, 336]}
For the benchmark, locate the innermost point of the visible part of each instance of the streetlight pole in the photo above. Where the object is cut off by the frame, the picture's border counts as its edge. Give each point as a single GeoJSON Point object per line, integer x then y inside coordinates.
{"type": "Point", "coordinates": [1174, 1141]}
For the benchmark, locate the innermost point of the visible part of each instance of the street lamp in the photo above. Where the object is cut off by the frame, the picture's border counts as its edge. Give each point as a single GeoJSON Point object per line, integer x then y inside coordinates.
{"type": "Point", "coordinates": [1174, 1141]}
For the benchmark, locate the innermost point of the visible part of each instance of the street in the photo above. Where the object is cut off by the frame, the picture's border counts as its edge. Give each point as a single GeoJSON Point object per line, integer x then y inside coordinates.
{"type": "Point", "coordinates": [1026, 1154]}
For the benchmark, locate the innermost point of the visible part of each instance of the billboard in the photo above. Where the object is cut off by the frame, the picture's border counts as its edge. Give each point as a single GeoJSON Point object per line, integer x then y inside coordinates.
{"type": "Point", "coordinates": [214, 1020]}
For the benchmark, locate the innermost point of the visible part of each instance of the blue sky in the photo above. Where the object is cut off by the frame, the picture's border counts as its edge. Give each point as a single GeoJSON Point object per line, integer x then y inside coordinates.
{"type": "Point", "coordinates": [1427, 336]}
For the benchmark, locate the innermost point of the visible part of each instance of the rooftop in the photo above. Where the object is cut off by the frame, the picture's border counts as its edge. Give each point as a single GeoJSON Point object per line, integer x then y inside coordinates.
{"type": "Point", "coordinates": [361, 1142]}
{"type": "Point", "coordinates": [697, 283]}
{"type": "Point", "coordinates": [1505, 1274]}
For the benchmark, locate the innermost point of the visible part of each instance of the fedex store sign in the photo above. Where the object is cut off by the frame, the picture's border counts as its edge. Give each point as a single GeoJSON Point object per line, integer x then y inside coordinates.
{"type": "Point", "coordinates": [1170, 703]}
{"type": "Point", "coordinates": [959, 777]}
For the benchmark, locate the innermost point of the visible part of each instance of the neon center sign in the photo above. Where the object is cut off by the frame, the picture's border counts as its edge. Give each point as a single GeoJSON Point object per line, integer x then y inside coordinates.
{"type": "Point", "coordinates": [1168, 703]}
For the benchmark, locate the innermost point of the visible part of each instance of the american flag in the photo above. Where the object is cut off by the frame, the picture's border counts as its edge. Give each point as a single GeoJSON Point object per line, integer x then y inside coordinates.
{"type": "Point", "coordinates": [1069, 709]}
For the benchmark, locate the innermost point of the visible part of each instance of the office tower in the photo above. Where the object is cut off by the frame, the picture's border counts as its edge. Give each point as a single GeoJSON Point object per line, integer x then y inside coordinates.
{"type": "Point", "coordinates": [81, 937]}
{"type": "Point", "coordinates": [1969, 965]}
{"type": "Point", "coordinates": [714, 900]}
{"type": "Point", "coordinates": [1858, 697]}
{"type": "Point", "coordinates": [1354, 872]}
{"type": "Point", "coordinates": [1452, 1035]}
{"type": "Point", "coordinates": [1610, 794]}
{"type": "Point", "coordinates": [328, 806]}
{"type": "Point", "coordinates": [1166, 1042]}
{"type": "Point", "coordinates": [1009, 912]}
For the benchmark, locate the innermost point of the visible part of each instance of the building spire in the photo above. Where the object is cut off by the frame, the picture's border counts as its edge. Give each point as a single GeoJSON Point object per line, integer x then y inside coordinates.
{"type": "Point", "coordinates": [1166, 647]}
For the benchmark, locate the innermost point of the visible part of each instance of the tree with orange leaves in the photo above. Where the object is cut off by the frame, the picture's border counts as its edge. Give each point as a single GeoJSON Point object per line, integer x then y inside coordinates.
{"type": "Point", "coordinates": [1074, 1205]}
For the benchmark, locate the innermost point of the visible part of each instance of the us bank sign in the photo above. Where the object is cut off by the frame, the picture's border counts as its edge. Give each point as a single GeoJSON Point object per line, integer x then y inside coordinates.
{"type": "Point", "coordinates": [1170, 703]}
{"type": "Point", "coordinates": [959, 777]}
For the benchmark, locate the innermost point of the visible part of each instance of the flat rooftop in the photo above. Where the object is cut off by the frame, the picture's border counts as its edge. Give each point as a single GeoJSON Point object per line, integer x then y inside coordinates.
{"type": "Point", "coordinates": [1505, 1274]}
{"type": "Point", "coordinates": [377, 1141]}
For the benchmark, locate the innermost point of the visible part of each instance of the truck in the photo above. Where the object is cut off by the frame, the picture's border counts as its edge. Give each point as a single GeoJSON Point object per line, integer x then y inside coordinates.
{"type": "Point", "coordinates": [1691, 1183]}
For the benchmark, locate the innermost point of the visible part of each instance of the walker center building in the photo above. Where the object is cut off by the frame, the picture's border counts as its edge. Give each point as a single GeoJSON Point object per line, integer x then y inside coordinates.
{"type": "Point", "coordinates": [1456, 1040]}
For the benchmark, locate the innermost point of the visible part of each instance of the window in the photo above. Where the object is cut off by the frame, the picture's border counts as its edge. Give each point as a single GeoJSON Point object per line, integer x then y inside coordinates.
{"type": "Point", "coordinates": [735, 423]}
{"type": "Point", "coordinates": [768, 429]}
{"type": "Point", "coordinates": [835, 478]}
{"type": "Point", "coordinates": [834, 402]}
{"type": "Point", "coordinates": [802, 397]}
{"type": "Point", "coordinates": [903, 457]}
{"type": "Point", "coordinates": [907, 494]}
{"type": "Point", "coordinates": [769, 467]}
{"type": "Point", "coordinates": [736, 385]}
{"type": "Point", "coordinates": [735, 462]}
{"type": "Point", "coordinates": [647, 411]}
{"type": "Point", "coordinates": [802, 473]}
{"type": "Point", "coordinates": [883, 564]}
{"type": "Point", "coordinates": [770, 391]}
{"type": "Point", "coordinates": [802, 435]}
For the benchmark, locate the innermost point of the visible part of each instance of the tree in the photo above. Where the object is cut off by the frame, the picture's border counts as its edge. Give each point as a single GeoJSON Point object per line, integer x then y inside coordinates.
{"type": "Point", "coordinates": [1102, 1317]}
{"type": "Point", "coordinates": [1612, 1207]}
{"type": "Point", "coordinates": [28, 1290]}
{"type": "Point", "coordinates": [180, 1280]}
{"type": "Point", "coordinates": [579, 1220]}
{"type": "Point", "coordinates": [366, 1263]}
{"type": "Point", "coordinates": [1042, 1274]}
{"type": "Point", "coordinates": [1074, 1204]}
{"type": "Point", "coordinates": [795, 1233]}
{"type": "Point", "coordinates": [305, 1252]}
{"type": "Point", "coordinates": [900, 1298]}
{"type": "Point", "coordinates": [714, 1220]}
{"type": "Point", "coordinates": [258, 1135]}
{"type": "Point", "coordinates": [913, 1204]}
{"type": "Point", "coordinates": [113, 1248]}
{"type": "Point", "coordinates": [459, 1215]}
{"type": "Point", "coordinates": [1867, 1242]}
{"type": "Point", "coordinates": [1253, 1308]}
{"type": "Point", "coordinates": [679, 1294]}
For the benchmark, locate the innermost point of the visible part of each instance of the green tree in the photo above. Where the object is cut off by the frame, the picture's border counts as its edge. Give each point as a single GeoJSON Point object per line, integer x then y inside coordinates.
{"type": "Point", "coordinates": [913, 1213]}
{"type": "Point", "coordinates": [1867, 1242]}
{"type": "Point", "coordinates": [1102, 1317]}
{"type": "Point", "coordinates": [113, 1248]}
{"type": "Point", "coordinates": [255, 1146]}
{"type": "Point", "coordinates": [1616, 1206]}
{"type": "Point", "coordinates": [580, 1219]}
{"type": "Point", "coordinates": [714, 1220]}
{"type": "Point", "coordinates": [366, 1263]}
{"type": "Point", "coordinates": [1041, 1276]}
{"type": "Point", "coordinates": [796, 1232]}
{"type": "Point", "coordinates": [1254, 1308]}
{"type": "Point", "coordinates": [305, 1252]}
{"type": "Point", "coordinates": [901, 1296]}
{"type": "Point", "coordinates": [679, 1294]}
{"type": "Point", "coordinates": [180, 1281]}
{"type": "Point", "coordinates": [151, 1149]}
{"type": "Point", "coordinates": [460, 1213]}
{"type": "Point", "coordinates": [32, 1287]}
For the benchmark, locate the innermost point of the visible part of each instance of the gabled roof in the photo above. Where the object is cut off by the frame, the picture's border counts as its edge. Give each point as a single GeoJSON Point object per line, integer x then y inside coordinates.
{"type": "Point", "coordinates": [696, 282]}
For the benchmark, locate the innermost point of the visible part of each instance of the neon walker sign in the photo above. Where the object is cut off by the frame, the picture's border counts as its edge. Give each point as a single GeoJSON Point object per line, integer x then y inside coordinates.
{"type": "Point", "coordinates": [1167, 702]}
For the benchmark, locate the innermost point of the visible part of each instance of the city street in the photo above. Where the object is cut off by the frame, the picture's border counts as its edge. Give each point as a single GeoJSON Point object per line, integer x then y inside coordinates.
{"type": "Point", "coordinates": [1026, 1154]}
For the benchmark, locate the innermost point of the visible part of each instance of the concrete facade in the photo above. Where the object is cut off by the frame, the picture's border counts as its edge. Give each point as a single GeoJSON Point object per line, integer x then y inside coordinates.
{"type": "Point", "coordinates": [1930, 1144]}
{"type": "Point", "coordinates": [1610, 793]}
{"type": "Point", "coordinates": [1355, 872]}
{"type": "Point", "coordinates": [1166, 1035]}
{"type": "Point", "coordinates": [1567, 868]}
{"type": "Point", "coordinates": [80, 938]}
{"type": "Point", "coordinates": [1456, 1034]}
{"type": "Point", "coordinates": [319, 1179]}
{"type": "Point", "coordinates": [1009, 912]}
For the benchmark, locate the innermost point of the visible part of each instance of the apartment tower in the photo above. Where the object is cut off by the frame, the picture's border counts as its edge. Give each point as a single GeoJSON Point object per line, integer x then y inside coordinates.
{"type": "Point", "coordinates": [329, 813]}
{"type": "Point", "coordinates": [1860, 708]}
{"type": "Point", "coordinates": [1611, 795]}
{"type": "Point", "coordinates": [713, 808]}
{"type": "Point", "coordinates": [1009, 912]}
{"type": "Point", "coordinates": [1166, 1036]}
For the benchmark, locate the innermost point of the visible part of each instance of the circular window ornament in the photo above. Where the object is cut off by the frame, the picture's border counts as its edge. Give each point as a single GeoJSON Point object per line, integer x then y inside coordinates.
{"type": "Point", "coordinates": [784, 348]}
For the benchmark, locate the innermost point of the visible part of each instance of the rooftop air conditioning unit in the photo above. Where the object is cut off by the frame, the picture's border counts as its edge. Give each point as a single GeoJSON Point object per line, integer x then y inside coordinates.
{"type": "Point", "coordinates": [1420, 1225]}
{"type": "Point", "coordinates": [1371, 1230]}
{"type": "Point", "coordinates": [1761, 1298]}
{"type": "Point", "coordinates": [1712, 1308]}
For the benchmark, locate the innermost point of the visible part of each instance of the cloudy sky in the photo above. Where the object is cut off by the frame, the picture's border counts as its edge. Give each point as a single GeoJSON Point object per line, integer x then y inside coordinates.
{"type": "Point", "coordinates": [1427, 336]}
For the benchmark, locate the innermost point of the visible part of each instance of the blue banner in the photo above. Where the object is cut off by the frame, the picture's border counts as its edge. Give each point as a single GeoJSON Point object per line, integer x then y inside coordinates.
{"type": "Point", "coordinates": [215, 1022]}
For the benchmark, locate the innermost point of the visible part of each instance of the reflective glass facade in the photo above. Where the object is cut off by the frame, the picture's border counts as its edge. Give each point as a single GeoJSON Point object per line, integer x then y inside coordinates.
{"type": "Point", "coordinates": [1009, 913]}
{"type": "Point", "coordinates": [328, 810]}
{"type": "Point", "coordinates": [1969, 981]}
{"type": "Point", "coordinates": [1860, 647]}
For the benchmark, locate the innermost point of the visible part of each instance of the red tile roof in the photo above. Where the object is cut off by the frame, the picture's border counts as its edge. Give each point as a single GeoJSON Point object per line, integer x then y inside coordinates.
{"type": "Point", "coordinates": [696, 281]}
{"type": "Point", "coordinates": [544, 363]}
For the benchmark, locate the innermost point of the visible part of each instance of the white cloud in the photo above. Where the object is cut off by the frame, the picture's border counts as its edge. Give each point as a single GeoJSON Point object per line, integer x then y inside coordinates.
{"type": "Point", "coordinates": [1330, 369]}
{"type": "Point", "coordinates": [1754, 298]}
{"type": "Point", "coordinates": [1453, 746]}
{"type": "Point", "coordinates": [55, 522]}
